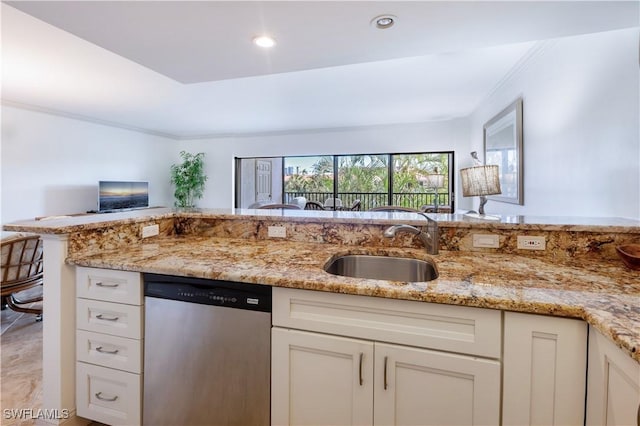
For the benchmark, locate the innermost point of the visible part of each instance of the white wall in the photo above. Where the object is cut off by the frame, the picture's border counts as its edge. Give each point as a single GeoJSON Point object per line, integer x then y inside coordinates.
{"type": "Point", "coordinates": [581, 127]}
{"type": "Point", "coordinates": [51, 165]}
{"type": "Point", "coordinates": [581, 142]}
{"type": "Point", "coordinates": [435, 136]}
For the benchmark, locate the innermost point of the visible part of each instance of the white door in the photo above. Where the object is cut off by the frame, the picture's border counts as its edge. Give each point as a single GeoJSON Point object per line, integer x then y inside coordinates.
{"type": "Point", "coordinates": [263, 180]}
{"type": "Point", "coordinates": [318, 379]}
{"type": "Point", "coordinates": [613, 392]}
{"type": "Point", "coordinates": [544, 362]}
{"type": "Point", "coordinates": [423, 387]}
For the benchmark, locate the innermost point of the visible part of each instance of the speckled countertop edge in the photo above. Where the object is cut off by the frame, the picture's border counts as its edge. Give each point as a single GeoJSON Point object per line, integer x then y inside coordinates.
{"type": "Point", "coordinates": [68, 224]}
{"type": "Point", "coordinates": [607, 295]}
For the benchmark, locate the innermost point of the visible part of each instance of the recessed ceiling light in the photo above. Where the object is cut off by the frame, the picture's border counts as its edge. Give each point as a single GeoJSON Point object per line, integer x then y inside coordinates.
{"type": "Point", "coordinates": [264, 41]}
{"type": "Point", "coordinates": [383, 22]}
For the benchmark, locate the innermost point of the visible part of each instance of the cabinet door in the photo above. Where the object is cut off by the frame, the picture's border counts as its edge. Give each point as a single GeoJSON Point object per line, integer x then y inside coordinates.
{"type": "Point", "coordinates": [320, 379]}
{"type": "Point", "coordinates": [423, 387]}
{"type": "Point", "coordinates": [544, 370]}
{"type": "Point", "coordinates": [613, 393]}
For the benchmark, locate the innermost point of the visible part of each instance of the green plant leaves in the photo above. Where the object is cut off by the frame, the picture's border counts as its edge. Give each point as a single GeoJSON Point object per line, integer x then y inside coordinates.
{"type": "Point", "coordinates": [189, 179]}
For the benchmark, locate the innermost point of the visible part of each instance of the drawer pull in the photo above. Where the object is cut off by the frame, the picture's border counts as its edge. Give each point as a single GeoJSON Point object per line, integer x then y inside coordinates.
{"type": "Point", "coordinates": [100, 397]}
{"type": "Point", "coordinates": [102, 317]}
{"type": "Point", "coordinates": [360, 368]}
{"type": "Point", "coordinates": [102, 351]}
{"type": "Point", "coordinates": [101, 284]}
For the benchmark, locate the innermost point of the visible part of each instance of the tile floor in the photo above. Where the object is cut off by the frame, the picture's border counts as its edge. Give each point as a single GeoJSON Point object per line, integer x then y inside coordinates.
{"type": "Point", "coordinates": [21, 365]}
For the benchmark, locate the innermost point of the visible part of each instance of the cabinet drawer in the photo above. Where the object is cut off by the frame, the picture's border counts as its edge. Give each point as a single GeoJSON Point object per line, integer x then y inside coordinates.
{"type": "Point", "coordinates": [108, 285]}
{"type": "Point", "coordinates": [109, 351]}
{"type": "Point", "coordinates": [459, 329]}
{"type": "Point", "coordinates": [110, 318]}
{"type": "Point", "coordinates": [108, 396]}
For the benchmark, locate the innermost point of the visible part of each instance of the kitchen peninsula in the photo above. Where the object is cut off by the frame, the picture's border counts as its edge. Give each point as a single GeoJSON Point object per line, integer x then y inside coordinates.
{"type": "Point", "coordinates": [578, 276]}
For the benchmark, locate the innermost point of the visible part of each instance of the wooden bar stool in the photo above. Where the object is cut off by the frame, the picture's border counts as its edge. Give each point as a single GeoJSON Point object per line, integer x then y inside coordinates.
{"type": "Point", "coordinates": [21, 269]}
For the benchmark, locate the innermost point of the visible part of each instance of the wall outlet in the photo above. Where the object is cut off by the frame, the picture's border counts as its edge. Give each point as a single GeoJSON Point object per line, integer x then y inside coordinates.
{"type": "Point", "coordinates": [486, 240]}
{"type": "Point", "coordinates": [277, 231]}
{"type": "Point", "coordinates": [526, 242]}
{"type": "Point", "coordinates": [150, 231]}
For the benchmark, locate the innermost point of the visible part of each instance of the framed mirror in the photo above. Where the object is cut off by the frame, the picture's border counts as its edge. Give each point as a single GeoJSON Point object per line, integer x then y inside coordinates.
{"type": "Point", "coordinates": [503, 147]}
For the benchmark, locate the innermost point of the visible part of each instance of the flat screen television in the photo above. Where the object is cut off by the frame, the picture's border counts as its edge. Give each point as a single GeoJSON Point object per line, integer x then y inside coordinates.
{"type": "Point", "coordinates": [120, 195]}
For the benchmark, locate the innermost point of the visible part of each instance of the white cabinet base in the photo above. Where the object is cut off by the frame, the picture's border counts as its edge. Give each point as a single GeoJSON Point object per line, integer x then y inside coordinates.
{"type": "Point", "coordinates": [613, 392]}
{"type": "Point", "coordinates": [544, 370]}
{"type": "Point", "coordinates": [315, 379]}
{"type": "Point", "coordinates": [107, 395]}
{"type": "Point", "coordinates": [423, 387]}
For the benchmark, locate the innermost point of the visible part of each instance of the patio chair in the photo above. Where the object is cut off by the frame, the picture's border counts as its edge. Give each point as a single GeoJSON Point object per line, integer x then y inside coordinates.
{"type": "Point", "coordinates": [356, 205]}
{"type": "Point", "coordinates": [432, 209]}
{"type": "Point", "coordinates": [313, 205]}
{"type": "Point", "coordinates": [300, 202]}
{"type": "Point", "coordinates": [21, 269]}
{"type": "Point", "coordinates": [332, 202]}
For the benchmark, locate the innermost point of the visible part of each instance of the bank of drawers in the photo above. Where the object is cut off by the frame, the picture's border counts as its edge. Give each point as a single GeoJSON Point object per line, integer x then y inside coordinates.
{"type": "Point", "coordinates": [109, 345]}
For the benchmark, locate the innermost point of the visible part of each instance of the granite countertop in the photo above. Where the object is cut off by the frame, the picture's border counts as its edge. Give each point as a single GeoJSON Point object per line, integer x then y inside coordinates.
{"type": "Point", "coordinates": [75, 223]}
{"type": "Point", "coordinates": [605, 294]}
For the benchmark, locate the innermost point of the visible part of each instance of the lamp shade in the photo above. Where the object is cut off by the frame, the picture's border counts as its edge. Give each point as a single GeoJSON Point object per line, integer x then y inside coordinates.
{"type": "Point", "coordinates": [480, 180]}
{"type": "Point", "coordinates": [434, 181]}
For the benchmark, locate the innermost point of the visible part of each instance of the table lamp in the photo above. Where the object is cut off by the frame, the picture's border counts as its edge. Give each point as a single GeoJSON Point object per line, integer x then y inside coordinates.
{"type": "Point", "coordinates": [434, 181]}
{"type": "Point", "coordinates": [480, 180]}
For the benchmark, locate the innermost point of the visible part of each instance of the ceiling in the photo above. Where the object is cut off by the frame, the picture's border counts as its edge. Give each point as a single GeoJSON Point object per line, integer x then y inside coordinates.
{"type": "Point", "coordinates": [188, 69]}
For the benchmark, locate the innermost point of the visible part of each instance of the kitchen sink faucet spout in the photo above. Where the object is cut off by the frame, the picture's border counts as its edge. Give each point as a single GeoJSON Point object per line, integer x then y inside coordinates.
{"type": "Point", "coordinates": [428, 236]}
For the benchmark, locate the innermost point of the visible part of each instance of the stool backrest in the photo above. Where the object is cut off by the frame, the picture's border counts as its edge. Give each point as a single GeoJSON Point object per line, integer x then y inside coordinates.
{"type": "Point", "coordinates": [21, 260]}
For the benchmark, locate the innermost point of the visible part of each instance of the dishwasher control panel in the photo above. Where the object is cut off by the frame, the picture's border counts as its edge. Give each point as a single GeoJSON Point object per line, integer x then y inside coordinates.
{"type": "Point", "coordinates": [254, 297]}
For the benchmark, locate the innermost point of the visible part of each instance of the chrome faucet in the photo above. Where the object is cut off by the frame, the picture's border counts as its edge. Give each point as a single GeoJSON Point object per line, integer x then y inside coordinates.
{"type": "Point", "coordinates": [429, 237]}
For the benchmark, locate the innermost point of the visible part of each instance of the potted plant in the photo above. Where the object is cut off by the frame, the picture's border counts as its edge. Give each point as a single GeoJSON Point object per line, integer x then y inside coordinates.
{"type": "Point", "coordinates": [188, 178]}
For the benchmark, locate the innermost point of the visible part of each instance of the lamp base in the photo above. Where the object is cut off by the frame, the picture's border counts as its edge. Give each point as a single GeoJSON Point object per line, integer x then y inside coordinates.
{"type": "Point", "coordinates": [477, 216]}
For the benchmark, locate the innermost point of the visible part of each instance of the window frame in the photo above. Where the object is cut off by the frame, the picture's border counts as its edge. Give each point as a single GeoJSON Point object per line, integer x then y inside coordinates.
{"type": "Point", "coordinates": [450, 176]}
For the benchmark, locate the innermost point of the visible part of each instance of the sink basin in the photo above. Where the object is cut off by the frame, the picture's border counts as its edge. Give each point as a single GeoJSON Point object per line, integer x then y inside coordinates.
{"type": "Point", "coordinates": [383, 268]}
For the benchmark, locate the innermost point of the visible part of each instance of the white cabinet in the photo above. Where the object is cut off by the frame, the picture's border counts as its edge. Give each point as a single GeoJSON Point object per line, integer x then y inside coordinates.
{"type": "Point", "coordinates": [367, 377]}
{"type": "Point", "coordinates": [109, 317]}
{"type": "Point", "coordinates": [544, 365]}
{"type": "Point", "coordinates": [613, 390]}
{"type": "Point", "coordinates": [423, 387]}
{"type": "Point", "coordinates": [320, 379]}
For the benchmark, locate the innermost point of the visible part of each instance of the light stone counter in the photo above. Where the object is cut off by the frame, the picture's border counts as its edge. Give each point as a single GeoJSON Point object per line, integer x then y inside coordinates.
{"type": "Point", "coordinates": [579, 275]}
{"type": "Point", "coordinates": [606, 294]}
{"type": "Point", "coordinates": [70, 224]}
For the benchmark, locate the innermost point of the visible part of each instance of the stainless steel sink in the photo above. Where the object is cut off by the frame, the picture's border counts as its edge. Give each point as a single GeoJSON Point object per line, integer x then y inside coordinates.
{"type": "Point", "coordinates": [382, 268]}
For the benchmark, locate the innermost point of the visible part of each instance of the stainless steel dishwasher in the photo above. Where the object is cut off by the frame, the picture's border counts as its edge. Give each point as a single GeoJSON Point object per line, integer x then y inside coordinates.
{"type": "Point", "coordinates": [207, 352]}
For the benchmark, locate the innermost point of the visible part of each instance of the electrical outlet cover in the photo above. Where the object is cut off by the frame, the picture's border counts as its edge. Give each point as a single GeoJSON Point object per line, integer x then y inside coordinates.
{"type": "Point", "coordinates": [150, 231]}
{"type": "Point", "coordinates": [526, 242]}
{"type": "Point", "coordinates": [277, 231]}
{"type": "Point", "coordinates": [486, 240]}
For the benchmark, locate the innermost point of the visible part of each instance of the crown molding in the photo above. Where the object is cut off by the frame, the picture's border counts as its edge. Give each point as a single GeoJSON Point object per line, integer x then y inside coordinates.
{"type": "Point", "coordinates": [526, 61]}
{"type": "Point", "coordinates": [79, 117]}
{"type": "Point", "coordinates": [93, 120]}
{"type": "Point", "coordinates": [312, 130]}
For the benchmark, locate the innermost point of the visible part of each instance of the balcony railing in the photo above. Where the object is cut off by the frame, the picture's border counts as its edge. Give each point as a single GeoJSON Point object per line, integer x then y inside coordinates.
{"type": "Point", "coordinates": [374, 199]}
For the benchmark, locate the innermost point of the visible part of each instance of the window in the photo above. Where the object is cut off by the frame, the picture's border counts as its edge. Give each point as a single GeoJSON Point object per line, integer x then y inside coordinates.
{"type": "Point", "coordinates": [309, 177]}
{"type": "Point", "coordinates": [364, 178]}
{"type": "Point", "coordinates": [415, 180]}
